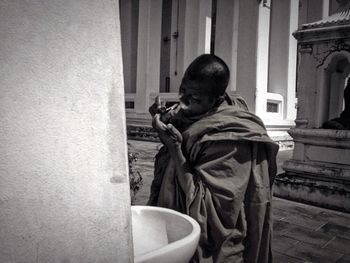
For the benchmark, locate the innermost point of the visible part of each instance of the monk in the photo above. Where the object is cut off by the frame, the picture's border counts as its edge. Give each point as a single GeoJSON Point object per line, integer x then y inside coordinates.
{"type": "Point", "coordinates": [217, 165]}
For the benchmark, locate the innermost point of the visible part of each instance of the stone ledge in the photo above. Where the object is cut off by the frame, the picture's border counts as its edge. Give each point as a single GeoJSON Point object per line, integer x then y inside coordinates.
{"type": "Point", "coordinates": [323, 137]}
{"type": "Point", "coordinates": [321, 171]}
{"type": "Point", "coordinates": [296, 187]}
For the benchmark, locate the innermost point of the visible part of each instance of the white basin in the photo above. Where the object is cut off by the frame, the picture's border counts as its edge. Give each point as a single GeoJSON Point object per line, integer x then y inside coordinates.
{"type": "Point", "coordinates": [163, 235]}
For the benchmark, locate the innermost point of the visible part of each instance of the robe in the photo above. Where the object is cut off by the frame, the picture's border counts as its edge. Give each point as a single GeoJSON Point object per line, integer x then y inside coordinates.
{"type": "Point", "coordinates": [228, 190]}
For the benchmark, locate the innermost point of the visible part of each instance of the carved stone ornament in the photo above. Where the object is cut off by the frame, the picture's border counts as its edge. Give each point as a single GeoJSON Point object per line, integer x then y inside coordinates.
{"type": "Point", "coordinates": [322, 54]}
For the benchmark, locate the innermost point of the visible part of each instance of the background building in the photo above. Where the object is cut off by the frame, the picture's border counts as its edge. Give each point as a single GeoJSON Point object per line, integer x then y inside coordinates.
{"type": "Point", "coordinates": [319, 171]}
{"type": "Point", "coordinates": [161, 37]}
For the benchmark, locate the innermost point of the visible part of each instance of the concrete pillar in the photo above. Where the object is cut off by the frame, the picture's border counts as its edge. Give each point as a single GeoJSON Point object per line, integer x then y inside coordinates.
{"type": "Point", "coordinates": [64, 188]}
{"type": "Point", "coordinates": [325, 8]}
{"type": "Point", "coordinates": [227, 18]}
{"type": "Point", "coordinates": [204, 26]}
{"type": "Point", "coordinates": [191, 32]}
{"type": "Point", "coordinates": [283, 52]}
{"type": "Point", "coordinates": [307, 88]}
{"type": "Point", "coordinates": [252, 54]}
{"type": "Point", "coordinates": [177, 44]}
{"type": "Point", "coordinates": [196, 34]}
{"type": "Point", "coordinates": [129, 35]}
{"type": "Point", "coordinates": [262, 60]}
{"type": "Point", "coordinates": [247, 51]}
{"type": "Point", "coordinates": [290, 110]}
{"type": "Point", "coordinates": [148, 60]}
{"type": "Point", "coordinates": [322, 97]}
{"type": "Point", "coordinates": [192, 20]}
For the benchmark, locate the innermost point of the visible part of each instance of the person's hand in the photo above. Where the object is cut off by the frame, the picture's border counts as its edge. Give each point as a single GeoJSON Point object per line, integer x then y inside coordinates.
{"type": "Point", "coordinates": [168, 134]}
{"type": "Point", "coordinates": [157, 107]}
{"type": "Point", "coordinates": [172, 139]}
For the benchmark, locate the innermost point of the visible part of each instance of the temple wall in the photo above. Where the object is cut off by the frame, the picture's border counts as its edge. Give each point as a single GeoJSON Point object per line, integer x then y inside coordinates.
{"type": "Point", "coordinates": [319, 172]}
{"type": "Point", "coordinates": [227, 17]}
{"type": "Point", "coordinates": [64, 189]}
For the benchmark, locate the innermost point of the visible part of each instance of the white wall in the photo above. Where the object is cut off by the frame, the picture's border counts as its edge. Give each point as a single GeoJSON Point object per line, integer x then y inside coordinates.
{"type": "Point", "coordinates": [279, 47]}
{"type": "Point", "coordinates": [283, 53]}
{"type": "Point", "coordinates": [191, 32]}
{"type": "Point", "coordinates": [148, 50]}
{"type": "Point", "coordinates": [226, 35]}
{"type": "Point", "coordinates": [247, 51]}
{"type": "Point", "coordinates": [204, 26]}
{"type": "Point", "coordinates": [64, 194]}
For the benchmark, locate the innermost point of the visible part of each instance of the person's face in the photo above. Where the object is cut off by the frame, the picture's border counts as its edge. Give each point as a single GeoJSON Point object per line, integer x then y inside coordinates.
{"type": "Point", "coordinates": [194, 100]}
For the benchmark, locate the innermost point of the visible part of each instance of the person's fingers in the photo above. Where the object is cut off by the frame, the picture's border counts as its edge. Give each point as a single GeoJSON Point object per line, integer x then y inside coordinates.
{"type": "Point", "coordinates": [153, 109]}
{"type": "Point", "coordinates": [158, 124]}
{"type": "Point", "coordinates": [174, 132]}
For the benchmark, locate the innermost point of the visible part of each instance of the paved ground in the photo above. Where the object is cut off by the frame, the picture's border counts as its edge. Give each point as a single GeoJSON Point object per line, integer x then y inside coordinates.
{"type": "Point", "coordinates": [302, 233]}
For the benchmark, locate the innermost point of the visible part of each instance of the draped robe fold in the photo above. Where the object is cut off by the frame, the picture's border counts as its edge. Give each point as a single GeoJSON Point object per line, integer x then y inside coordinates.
{"type": "Point", "coordinates": [228, 191]}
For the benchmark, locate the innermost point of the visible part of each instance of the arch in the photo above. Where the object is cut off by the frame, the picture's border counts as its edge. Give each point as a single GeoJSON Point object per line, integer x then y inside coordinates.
{"type": "Point", "coordinates": [333, 74]}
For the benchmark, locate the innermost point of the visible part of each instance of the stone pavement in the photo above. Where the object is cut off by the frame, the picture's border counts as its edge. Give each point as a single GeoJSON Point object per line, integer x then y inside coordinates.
{"type": "Point", "coordinates": [302, 233]}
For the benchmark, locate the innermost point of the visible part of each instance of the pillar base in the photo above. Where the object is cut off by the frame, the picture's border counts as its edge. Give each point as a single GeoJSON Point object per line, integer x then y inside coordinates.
{"type": "Point", "coordinates": [315, 183]}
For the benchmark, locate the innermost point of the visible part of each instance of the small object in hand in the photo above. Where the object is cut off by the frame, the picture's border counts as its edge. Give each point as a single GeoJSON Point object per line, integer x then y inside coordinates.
{"type": "Point", "coordinates": [160, 105]}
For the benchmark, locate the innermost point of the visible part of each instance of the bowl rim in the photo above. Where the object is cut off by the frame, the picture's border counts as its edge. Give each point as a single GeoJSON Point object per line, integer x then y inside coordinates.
{"type": "Point", "coordinates": [176, 244]}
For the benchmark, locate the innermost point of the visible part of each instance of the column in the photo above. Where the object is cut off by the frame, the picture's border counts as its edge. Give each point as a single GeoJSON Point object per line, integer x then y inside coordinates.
{"type": "Point", "coordinates": [194, 24]}
{"type": "Point", "coordinates": [262, 61]}
{"type": "Point", "coordinates": [283, 53]}
{"type": "Point", "coordinates": [64, 193]}
{"type": "Point", "coordinates": [325, 8]}
{"type": "Point", "coordinates": [148, 60]}
{"type": "Point", "coordinates": [252, 54]}
{"type": "Point", "coordinates": [177, 44]}
{"type": "Point", "coordinates": [191, 29]}
{"type": "Point", "coordinates": [129, 33]}
{"type": "Point", "coordinates": [227, 18]}
{"type": "Point", "coordinates": [290, 104]}
{"type": "Point", "coordinates": [246, 51]}
{"type": "Point", "coordinates": [204, 26]}
{"type": "Point", "coordinates": [184, 48]}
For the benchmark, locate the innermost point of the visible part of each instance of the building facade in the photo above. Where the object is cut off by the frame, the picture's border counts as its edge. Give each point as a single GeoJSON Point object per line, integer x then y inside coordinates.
{"type": "Point", "coordinates": [161, 37]}
{"type": "Point", "coordinates": [319, 171]}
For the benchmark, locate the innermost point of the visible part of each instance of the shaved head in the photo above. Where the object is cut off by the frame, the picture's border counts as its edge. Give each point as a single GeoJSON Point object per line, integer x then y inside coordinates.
{"type": "Point", "coordinates": [210, 73]}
